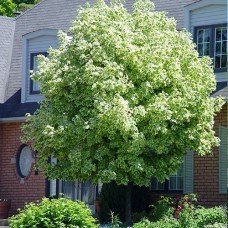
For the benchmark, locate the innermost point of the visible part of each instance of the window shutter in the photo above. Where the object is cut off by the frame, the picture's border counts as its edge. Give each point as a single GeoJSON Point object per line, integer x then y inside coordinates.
{"type": "Point", "coordinates": [223, 160]}
{"type": "Point", "coordinates": [188, 172]}
{"type": "Point", "coordinates": [53, 183]}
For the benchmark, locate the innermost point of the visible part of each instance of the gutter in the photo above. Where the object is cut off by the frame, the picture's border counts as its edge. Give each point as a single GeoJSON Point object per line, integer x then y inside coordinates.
{"type": "Point", "coordinates": [13, 120]}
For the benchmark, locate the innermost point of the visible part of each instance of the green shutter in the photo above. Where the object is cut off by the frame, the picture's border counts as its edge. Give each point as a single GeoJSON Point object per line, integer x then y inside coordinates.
{"type": "Point", "coordinates": [188, 172]}
{"type": "Point", "coordinates": [223, 166]}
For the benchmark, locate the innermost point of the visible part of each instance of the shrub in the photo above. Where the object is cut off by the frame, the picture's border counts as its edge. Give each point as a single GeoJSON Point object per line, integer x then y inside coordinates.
{"type": "Point", "coordinates": [163, 208]}
{"type": "Point", "coordinates": [138, 216]}
{"type": "Point", "coordinates": [54, 213]}
{"type": "Point", "coordinates": [182, 213]}
{"type": "Point", "coordinates": [209, 216]}
{"type": "Point", "coordinates": [186, 218]}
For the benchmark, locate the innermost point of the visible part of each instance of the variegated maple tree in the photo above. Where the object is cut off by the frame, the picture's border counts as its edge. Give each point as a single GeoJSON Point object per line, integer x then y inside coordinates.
{"type": "Point", "coordinates": [125, 96]}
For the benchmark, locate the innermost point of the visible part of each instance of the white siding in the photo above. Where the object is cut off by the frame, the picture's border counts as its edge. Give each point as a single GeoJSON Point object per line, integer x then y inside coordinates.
{"type": "Point", "coordinates": [42, 43]}
{"type": "Point", "coordinates": [208, 15]}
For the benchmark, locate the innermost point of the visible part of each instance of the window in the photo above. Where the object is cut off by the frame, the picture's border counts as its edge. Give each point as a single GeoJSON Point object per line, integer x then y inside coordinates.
{"type": "Point", "coordinates": [33, 44]}
{"type": "Point", "coordinates": [176, 180]}
{"type": "Point", "coordinates": [34, 85]}
{"type": "Point", "coordinates": [173, 184]}
{"type": "Point", "coordinates": [24, 161]}
{"type": "Point", "coordinates": [77, 190]}
{"type": "Point", "coordinates": [212, 41]}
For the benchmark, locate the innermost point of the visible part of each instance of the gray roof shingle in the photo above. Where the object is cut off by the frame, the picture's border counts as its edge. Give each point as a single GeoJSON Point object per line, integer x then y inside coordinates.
{"type": "Point", "coordinates": [6, 43]}
{"type": "Point", "coordinates": [175, 8]}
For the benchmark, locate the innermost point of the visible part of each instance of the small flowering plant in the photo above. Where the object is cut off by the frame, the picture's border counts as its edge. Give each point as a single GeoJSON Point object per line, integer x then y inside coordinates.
{"type": "Point", "coordinates": [184, 202]}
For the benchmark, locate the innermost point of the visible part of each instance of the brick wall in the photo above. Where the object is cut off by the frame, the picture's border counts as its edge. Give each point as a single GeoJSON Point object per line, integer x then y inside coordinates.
{"type": "Point", "coordinates": [11, 185]}
{"type": "Point", "coordinates": [206, 170]}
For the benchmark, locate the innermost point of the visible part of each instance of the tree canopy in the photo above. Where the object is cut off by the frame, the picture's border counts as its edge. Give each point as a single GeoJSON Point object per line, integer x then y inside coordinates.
{"type": "Point", "coordinates": [125, 95]}
{"type": "Point", "coordinates": [7, 7]}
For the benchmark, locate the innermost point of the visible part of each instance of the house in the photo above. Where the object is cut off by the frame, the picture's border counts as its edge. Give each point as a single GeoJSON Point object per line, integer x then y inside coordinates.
{"type": "Point", "coordinates": [32, 33]}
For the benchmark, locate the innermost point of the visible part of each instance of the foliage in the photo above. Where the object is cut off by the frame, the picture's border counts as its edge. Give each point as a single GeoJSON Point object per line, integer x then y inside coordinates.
{"type": "Point", "coordinates": [138, 216]}
{"type": "Point", "coordinates": [186, 217]}
{"type": "Point", "coordinates": [166, 222]}
{"type": "Point", "coordinates": [208, 216]}
{"type": "Point", "coordinates": [182, 213]}
{"type": "Point", "coordinates": [31, 2]}
{"type": "Point", "coordinates": [163, 208]}
{"type": "Point", "coordinates": [54, 213]}
{"type": "Point", "coordinates": [124, 97]}
{"type": "Point", "coordinates": [112, 198]}
{"type": "Point", "coordinates": [7, 7]}
{"type": "Point", "coordinates": [216, 225]}
{"type": "Point", "coordinates": [186, 201]}
{"type": "Point", "coordinates": [115, 221]}
{"type": "Point", "coordinates": [23, 7]}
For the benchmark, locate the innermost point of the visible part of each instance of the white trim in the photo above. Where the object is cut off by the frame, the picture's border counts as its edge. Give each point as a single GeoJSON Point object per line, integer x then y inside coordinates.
{"type": "Point", "coordinates": [203, 3]}
{"type": "Point", "coordinates": [187, 19]}
{"type": "Point", "coordinates": [24, 69]}
{"type": "Point", "coordinates": [188, 163]}
{"type": "Point", "coordinates": [40, 32]}
{"type": "Point", "coordinates": [25, 56]}
{"type": "Point", "coordinates": [12, 120]}
{"type": "Point", "coordinates": [198, 5]}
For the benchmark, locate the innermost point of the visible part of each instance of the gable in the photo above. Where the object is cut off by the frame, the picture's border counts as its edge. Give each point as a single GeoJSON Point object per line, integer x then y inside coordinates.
{"type": "Point", "coordinates": [174, 8]}
{"type": "Point", "coordinates": [205, 12]}
{"type": "Point", "coordinates": [213, 15]}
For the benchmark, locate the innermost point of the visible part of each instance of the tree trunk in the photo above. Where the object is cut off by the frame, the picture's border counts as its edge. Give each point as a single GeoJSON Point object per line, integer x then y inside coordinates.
{"type": "Point", "coordinates": [128, 219]}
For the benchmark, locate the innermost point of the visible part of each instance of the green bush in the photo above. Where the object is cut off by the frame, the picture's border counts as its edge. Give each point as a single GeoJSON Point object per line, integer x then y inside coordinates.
{"type": "Point", "coordinates": [186, 217]}
{"type": "Point", "coordinates": [210, 216]}
{"type": "Point", "coordinates": [54, 213]}
{"type": "Point", "coordinates": [138, 216]}
{"type": "Point", "coordinates": [182, 213]}
{"type": "Point", "coordinates": [163, 208]}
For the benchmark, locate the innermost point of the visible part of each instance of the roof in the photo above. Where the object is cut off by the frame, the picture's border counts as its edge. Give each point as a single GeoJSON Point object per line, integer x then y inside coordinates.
{"type": "Point", "coordinates": [221, 90]}
{"type": "Point", "coordinates": [6, 43]}
{"type": "Point", "coordinates": [175, 8]}
{"type": "Point", "coordinates": [14, 108]}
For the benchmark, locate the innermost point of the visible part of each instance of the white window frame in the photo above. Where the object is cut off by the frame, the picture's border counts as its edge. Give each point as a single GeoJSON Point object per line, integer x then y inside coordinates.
{"type": "Point", "coordinates": [25, 87]}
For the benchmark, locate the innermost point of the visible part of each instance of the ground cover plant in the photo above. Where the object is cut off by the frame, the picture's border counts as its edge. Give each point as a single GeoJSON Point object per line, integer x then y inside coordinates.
{"type": "Point", "coordinates": [54, 213]}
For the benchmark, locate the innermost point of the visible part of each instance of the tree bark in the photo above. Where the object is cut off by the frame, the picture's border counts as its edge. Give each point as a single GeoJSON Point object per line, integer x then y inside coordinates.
{"type": "Point", "coordinates": [128, 218]}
